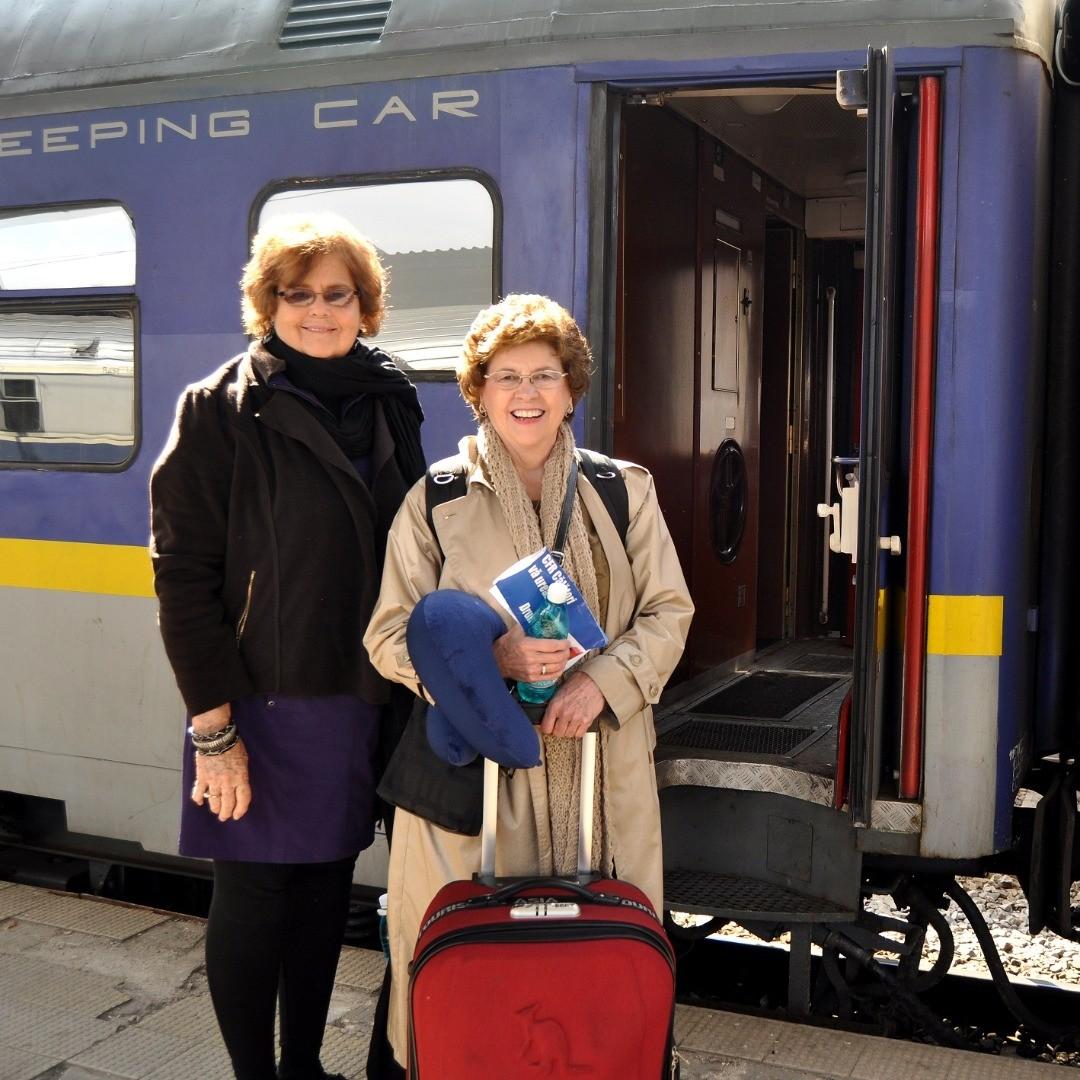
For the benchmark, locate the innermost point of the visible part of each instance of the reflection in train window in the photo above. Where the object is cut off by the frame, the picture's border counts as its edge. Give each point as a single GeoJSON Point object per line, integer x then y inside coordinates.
{"type": "Point", "coordinates": [71, 247]}
{"type": "Point", "coordinates": [436, 237]}
{"type": "Point", "coordinates": [67, 386]}
{"type": "Point", "coordinates": [20, 406]}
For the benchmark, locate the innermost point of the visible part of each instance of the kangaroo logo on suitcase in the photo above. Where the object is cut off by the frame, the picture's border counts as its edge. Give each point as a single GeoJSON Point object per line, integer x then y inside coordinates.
{"type": "Point", "coordinates": [547, 1048]}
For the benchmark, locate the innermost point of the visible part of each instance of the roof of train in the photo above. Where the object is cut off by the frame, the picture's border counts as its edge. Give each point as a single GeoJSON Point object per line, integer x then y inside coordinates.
{"type": "Point", "coordinates": [75, 45]}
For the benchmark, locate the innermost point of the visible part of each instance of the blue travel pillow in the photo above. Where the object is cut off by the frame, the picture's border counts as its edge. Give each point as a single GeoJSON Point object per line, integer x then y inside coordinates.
{"type": "Point", "coordinates": [450, 634]}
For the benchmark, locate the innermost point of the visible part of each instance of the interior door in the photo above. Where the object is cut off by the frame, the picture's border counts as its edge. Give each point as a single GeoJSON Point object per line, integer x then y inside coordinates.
{"type": "Point", "coordinates": [879, 435]}
{"type": "Point", "coordinates": [779, 332]}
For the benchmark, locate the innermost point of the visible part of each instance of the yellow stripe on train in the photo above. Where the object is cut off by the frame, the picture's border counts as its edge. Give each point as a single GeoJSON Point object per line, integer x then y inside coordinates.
{"type": "Point", "coordinates": [111, 569]}
{"type": "Point", "coordinates": [964, 625]}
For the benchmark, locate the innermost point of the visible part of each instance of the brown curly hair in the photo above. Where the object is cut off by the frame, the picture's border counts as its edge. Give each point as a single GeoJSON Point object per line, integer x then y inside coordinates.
{"type": "Point", "coordinates": [283, 252]}
{"type": "Point", "coordinates": [519, 319]}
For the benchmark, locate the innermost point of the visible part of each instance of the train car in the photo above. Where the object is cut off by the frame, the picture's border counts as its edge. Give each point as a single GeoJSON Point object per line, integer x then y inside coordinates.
{"type": "Point", "coordinates": [811, 246]}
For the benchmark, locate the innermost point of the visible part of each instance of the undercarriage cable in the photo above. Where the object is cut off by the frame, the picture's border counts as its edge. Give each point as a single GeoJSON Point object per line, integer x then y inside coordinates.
{"type": "Point", "coordinates": [997, 970]}
{"type": "Point", "coordinates": [945, 1034]}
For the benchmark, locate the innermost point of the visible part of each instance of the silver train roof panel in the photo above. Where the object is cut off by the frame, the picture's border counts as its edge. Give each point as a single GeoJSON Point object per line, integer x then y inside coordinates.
{"type": "Point", "coordinates": [68, 45]}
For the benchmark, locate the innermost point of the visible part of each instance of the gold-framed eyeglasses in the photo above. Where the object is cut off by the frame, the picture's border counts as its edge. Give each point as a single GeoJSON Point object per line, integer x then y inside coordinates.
{"type": "Point", "coordinates": [546, 379]}
{"type": "Point", "coordinates": [336, 297]}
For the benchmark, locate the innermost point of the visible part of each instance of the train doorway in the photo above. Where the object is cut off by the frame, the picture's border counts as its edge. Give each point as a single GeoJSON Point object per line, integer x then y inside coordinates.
{"type": "Point", "coordinates": [763, 370]}
{"type": "Point", "coordinates": [737, 382]}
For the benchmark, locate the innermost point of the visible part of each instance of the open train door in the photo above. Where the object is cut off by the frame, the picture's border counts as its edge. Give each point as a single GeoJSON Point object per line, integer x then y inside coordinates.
{"type": "Point", "coordinates": [876, 90]}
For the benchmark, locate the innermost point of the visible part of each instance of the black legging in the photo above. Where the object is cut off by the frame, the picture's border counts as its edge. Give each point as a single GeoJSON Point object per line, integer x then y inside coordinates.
{"type": "Point", "coordinates": [275, 929]}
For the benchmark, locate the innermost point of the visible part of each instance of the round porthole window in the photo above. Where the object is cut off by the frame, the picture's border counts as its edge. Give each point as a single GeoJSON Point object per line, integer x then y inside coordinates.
{"type": "Point", "coordinates": [728, 497]}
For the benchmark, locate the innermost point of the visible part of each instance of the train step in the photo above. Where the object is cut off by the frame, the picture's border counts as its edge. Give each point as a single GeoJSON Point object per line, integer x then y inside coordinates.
{"type": "Point", "coordinates": [735, 898]}
{"type": "Point", "coordinates": [763, 907]}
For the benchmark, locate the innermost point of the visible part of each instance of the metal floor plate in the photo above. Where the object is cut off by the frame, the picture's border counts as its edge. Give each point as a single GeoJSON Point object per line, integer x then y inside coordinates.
{"type": "Point", "coordinates": [816, 1050]}
{"type": "Point", "coordinates": [15, 899]}
{"type": "Point", "coordinates": [737, 898]}
{"type": "Point", "coordinates": [764, 695]}
{"type": "Point", "coordinates": [48, 1032]}
{"type": "Point", "coordinates": [361, 969]}
{"type": "Point", "coordinates": [85, 993]}
{"type": "Point", "coordinates": [821, 664]}
{"type": "Point", "coordinates": [19, 1065]}
{"type": "Point", "coordinates": [715, 1044]}
{"type": "Point", "coordinates": [91, 916]}
{"type": "Point", "coordinates": [345, 1053]}
{"type": "Point", "coordinates": [708, 772]}
{"type": "Point", "coordinates": [133, 1053]}
{"type": "Point", "coordinates": [748, 1038]}
{"type": "Point", "coordinates": [191, 1019]}
{"type": "Point", "coordinates": [701, 749]}
{"type": "Point", "coordinates": [735, 737]}
{"type": "Point", "coordinates": [207, 1061]}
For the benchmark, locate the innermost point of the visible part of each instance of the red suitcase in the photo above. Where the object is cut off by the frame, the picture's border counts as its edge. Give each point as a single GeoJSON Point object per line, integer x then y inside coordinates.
{"type": "Point", "coordinates": [541, 977]}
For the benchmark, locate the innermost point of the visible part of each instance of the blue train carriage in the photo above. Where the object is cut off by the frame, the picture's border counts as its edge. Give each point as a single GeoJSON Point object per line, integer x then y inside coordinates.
{"type": "Point", "coordinates": [815, 277]}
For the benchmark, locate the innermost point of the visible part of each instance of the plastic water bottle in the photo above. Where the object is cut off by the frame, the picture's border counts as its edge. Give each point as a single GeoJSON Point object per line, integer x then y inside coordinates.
{"type": "Point", "coordinates": [551, 621]}
{"type": "Point", "coordinates": [384, 932]}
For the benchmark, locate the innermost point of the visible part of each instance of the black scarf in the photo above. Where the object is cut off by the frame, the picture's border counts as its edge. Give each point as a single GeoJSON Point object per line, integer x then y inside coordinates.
{"type": "Point", "coordinates": [345, 388]}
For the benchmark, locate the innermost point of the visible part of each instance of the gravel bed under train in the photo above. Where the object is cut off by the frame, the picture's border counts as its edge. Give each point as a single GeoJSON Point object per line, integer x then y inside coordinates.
{"type": "Point", "coordinates": [1004, 906]}
{"type": "Point", "coordinates": [1044, 957]}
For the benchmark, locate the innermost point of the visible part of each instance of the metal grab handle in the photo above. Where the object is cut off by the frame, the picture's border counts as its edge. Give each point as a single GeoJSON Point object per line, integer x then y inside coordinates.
{"type": "Point", "coordinates": [830, 351]}
{"type": "Point", "coordinates": [831, 514]}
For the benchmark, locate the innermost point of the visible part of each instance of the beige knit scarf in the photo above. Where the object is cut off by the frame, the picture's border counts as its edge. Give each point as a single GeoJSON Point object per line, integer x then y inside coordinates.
{"type": "Point", "coordinates": [562, 756]}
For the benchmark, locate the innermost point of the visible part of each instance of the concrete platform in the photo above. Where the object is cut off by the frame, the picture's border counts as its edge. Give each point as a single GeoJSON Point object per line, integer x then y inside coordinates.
{"type": "Point", "coordinates": [94, 990]}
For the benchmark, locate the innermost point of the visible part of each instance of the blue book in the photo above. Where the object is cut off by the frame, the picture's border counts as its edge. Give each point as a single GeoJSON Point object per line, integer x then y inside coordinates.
{"type": "Point", "coordinates": [522, 590]}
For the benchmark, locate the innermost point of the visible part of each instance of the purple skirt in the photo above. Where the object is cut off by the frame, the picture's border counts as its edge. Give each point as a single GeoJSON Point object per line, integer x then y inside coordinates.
{"type": "Point", "coordinates": [311, 761]}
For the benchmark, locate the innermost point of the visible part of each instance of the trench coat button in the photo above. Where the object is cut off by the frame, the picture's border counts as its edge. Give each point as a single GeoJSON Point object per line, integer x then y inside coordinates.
{"type": "Point", "coordinates": [654, 692]}
{"type": "Point", "coordinates": [635, 659]}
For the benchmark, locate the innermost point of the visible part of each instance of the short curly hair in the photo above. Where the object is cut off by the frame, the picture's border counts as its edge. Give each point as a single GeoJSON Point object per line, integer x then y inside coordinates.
{"type": "Point", "coordinates": [519, 319]}
{"type": "Point", "coordinates": [283, 252]}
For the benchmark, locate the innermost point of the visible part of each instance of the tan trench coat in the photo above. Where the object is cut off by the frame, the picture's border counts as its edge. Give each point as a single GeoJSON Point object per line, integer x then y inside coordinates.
{"type": "Point", "coordinates": [649, 612]}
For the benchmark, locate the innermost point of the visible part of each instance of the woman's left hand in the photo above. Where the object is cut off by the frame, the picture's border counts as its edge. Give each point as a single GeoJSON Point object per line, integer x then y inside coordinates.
{"type": "Point", "coordinates": [576, 704]}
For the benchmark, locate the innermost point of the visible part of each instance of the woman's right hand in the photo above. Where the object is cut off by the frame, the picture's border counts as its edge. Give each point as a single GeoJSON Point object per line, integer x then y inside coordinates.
{"type": "Point", "coordinates": [221, 779]}
{"type": "Point", "coordinates": [529, 659]}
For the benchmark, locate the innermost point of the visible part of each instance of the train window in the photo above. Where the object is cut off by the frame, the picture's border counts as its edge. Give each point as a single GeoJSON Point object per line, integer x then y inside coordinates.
{"type": "Point", "coordinates": [69, 247]}
{"type": "Point", "coordinates": [436, 237]}
{"type": "Point", "coordinates": [67, 385]}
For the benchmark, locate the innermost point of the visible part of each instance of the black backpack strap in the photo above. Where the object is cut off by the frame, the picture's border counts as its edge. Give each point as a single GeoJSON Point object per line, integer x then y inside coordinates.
{"type": "Point", "coordinates": [610, 485]}
{"type": "Point", "coordinates": [445, 480]}
{"type": "Point", "coordinates": [559, 547]}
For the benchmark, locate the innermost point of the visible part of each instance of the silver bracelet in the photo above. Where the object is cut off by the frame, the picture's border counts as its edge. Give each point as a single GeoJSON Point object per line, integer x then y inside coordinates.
{"type": "Point", "coordinates": [201, 752]}
{"type": "Point", "coordinates": [211, 736]}
{"type": "Point", "coordinates": [214, 743]}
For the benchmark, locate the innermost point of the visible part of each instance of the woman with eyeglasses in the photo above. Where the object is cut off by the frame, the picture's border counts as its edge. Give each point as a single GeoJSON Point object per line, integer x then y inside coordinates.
{"type": "Point", "coordinates": [524, 367]}
{"type": "Point", "coordinates": [270, 506]}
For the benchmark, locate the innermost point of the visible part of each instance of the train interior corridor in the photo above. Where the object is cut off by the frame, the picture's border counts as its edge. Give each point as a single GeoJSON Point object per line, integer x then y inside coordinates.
{"type": "Point", "coordinates": [737, 384]}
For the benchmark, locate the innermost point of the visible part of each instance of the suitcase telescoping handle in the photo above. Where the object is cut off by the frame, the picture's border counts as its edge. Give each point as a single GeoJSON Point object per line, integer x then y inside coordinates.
{"type": "Point", "coordinates": [586, 798]}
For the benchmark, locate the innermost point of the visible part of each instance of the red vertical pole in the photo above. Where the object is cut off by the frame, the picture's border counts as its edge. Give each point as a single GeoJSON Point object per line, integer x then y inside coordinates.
{"type": "Point", "coordinates": [922, 414]}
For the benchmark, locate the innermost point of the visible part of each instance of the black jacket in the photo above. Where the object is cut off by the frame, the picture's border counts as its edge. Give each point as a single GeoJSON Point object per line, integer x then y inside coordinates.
{"type": "Point", "coordinates": [267, 546]}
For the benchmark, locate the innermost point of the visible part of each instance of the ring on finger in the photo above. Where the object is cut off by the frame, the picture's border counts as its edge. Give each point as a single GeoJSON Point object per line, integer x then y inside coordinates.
{"type": "Point", "coordinates": [543, 670]}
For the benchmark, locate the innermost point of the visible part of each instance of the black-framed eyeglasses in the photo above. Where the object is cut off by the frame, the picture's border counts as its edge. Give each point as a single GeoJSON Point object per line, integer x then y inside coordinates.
{"type": "Point", "coordinates": [336, 297]}
{"type": "Point", "coordinates": [547, 379]}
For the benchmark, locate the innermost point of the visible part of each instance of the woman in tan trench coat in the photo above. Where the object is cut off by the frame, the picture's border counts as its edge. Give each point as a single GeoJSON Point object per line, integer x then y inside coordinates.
{"type": "Point", "coordinates": [524, 367]}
